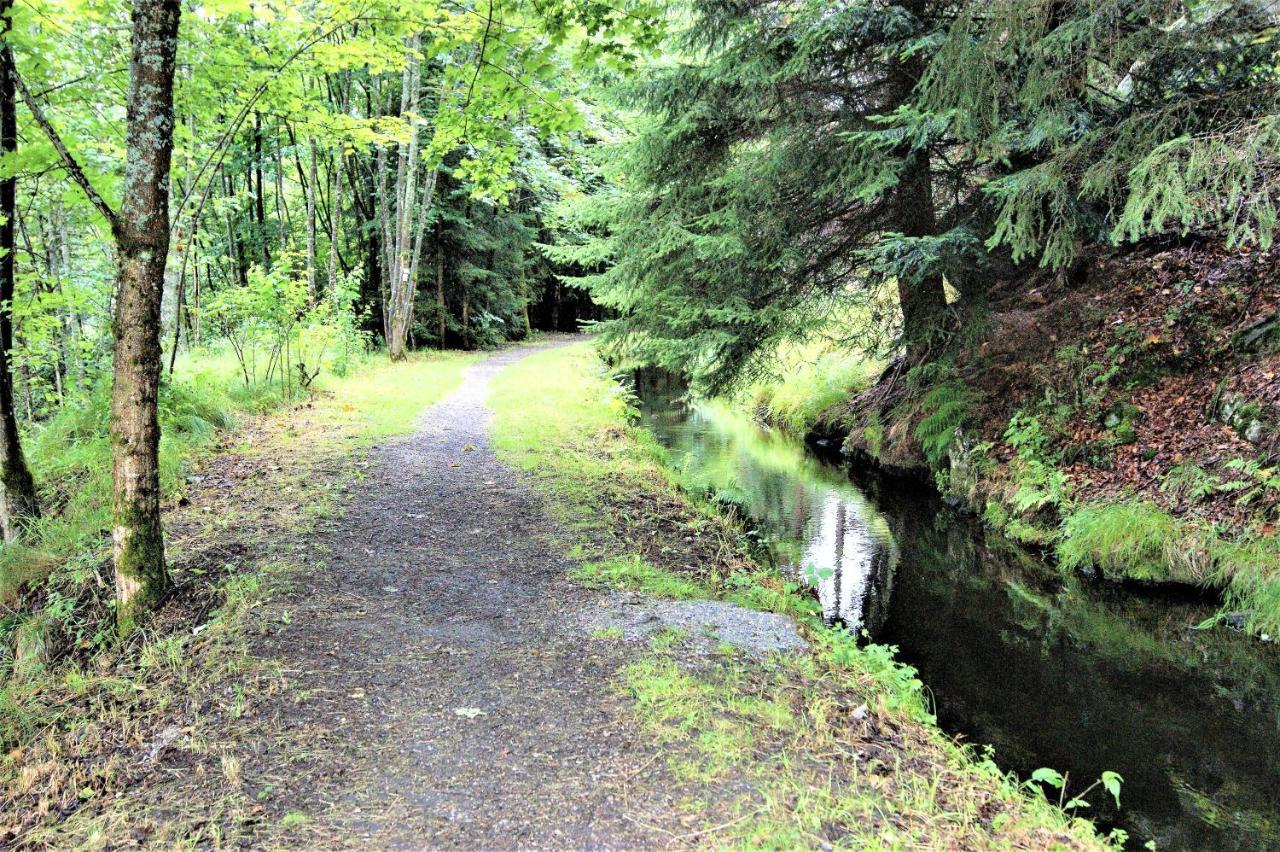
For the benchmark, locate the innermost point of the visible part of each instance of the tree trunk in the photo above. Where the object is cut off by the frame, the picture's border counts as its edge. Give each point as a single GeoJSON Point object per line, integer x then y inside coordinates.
{"type": "Point", "coordinates": [923, 300]}
{"type": "Point", "coordinates": [259, 193]}
{"type": "Point", "coordinates": [524, 300]}
{"type": "Point", "coordinates": [441, 310]}
{"type": "Point", "coordinates": [18, 503]}
{"type": "Point", "coordinates": [282, 205]}
{"type": "Point", "coordinates": [335, 221]}
{"type": "Point", "coordinates": [142, 237]}
{"type": "Point", "coordinates": [466, 320]}
{"type": "Point", "coordinates": [398, 318]}
{"type": "Point", "coordinates": [310, 190]}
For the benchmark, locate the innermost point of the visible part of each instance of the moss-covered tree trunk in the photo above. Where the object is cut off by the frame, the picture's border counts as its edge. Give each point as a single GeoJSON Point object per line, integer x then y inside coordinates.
{"type": "Point", "coordinates": [142, 237]}
{"type": "Point", "coordinates": [18, 503]}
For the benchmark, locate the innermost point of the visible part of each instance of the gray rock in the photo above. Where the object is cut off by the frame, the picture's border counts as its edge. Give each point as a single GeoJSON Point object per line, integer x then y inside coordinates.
{"type": "Point", "coordinates": [640, 616]}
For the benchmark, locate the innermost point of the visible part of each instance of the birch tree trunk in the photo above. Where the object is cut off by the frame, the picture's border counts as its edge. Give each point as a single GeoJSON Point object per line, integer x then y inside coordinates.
{"type": "Point", "coordinates": [399, 319]}
{"type": "Point", "coordinates": [310, 189]}
{"type": "Point", "coordinates": [18, 504]}
{"type": "Point", "coordinates": [142, 238]}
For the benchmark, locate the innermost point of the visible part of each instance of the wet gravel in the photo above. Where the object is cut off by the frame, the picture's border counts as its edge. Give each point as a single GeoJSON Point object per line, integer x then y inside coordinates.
{"type": "Point", "coordinates": [706, 624]}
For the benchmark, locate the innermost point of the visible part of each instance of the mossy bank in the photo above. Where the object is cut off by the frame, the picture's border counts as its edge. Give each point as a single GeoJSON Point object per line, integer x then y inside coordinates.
{"type": "Point", "coordinates": [1125, 422]}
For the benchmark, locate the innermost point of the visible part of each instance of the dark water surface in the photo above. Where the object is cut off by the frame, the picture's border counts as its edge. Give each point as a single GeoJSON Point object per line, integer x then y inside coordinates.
{"type": "Point", "coordinates": [1050, 670]}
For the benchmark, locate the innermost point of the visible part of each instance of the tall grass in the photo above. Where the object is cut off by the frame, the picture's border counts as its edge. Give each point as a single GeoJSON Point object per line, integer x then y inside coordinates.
{"type": "Point", "coordinates": [1136, 540]}
{"type": "Point", "coordinates": [808, 381]}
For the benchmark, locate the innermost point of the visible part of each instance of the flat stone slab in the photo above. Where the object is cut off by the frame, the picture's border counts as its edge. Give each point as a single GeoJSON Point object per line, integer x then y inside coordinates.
{"type": "Point", "coordinates": [640, 616]}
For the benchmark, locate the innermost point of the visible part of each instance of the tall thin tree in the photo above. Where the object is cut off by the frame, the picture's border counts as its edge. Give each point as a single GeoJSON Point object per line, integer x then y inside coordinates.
{"type": "Point", "coordinates": [18, 503]}
{"type": "Point", "coordinates": [141, 234]}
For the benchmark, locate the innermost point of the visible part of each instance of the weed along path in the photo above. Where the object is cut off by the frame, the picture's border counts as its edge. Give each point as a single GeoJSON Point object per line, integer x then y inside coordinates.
{"type": "Point", "coordinates": [438, 670]}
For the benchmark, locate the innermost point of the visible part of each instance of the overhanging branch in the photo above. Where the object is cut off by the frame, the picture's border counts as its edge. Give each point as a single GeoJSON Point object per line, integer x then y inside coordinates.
{"type": "Point", "coordinates": [68, 161]}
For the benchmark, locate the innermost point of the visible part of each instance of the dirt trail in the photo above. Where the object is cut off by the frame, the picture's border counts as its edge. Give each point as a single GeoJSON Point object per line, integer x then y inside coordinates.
{"type": "Point", "coordinates": [441, 698]}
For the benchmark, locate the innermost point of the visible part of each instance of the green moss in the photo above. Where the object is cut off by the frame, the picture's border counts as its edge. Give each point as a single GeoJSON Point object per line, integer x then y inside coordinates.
{"type": "Point", "coordinates": [141, 559]}
{"type": "Point", "coordinates": [1125, 433]}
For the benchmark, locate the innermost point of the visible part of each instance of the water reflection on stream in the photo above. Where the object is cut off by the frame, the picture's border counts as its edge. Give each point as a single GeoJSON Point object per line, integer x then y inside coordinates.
{"type": "Point", "coordinates": [1050, 670]}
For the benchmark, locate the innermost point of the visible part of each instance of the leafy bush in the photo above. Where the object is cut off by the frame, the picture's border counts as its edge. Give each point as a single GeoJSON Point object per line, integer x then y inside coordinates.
{"type": "Point", "coordinates": [1038, 481]}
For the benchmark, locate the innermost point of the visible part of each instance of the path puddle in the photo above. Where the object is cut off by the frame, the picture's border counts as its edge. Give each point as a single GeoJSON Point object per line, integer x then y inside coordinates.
{"type": "Point", "coordinates": [1050, 670]}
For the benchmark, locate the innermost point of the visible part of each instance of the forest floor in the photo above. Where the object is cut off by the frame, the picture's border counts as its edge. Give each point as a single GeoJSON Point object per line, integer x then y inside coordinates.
{"type": "Point", "coordinates": [425, 641]}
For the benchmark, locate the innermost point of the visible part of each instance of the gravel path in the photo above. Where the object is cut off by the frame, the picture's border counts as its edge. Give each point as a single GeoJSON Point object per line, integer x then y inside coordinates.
{"type": "Point", "coordinates": [442, 673]}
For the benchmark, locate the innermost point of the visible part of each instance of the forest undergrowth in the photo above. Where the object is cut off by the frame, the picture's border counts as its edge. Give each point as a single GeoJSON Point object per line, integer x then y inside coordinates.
{"type": "Point", "coordinates": [85, 716]}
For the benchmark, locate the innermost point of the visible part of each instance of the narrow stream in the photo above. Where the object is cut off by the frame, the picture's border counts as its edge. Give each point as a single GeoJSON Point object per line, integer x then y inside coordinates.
{"type": "Point", "coordinates": [1052, 671]}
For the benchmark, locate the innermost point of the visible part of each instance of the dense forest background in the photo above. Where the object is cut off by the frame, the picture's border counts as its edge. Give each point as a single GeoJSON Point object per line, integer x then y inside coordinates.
{"type": "Point", "coordinates": [981, 231]}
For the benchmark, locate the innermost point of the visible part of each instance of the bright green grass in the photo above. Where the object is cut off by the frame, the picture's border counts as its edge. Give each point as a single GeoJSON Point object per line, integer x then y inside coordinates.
{"type": "Point", "coordinates": [810, 380]}
{"type": "Point", "coordinates": [386, 398]}
{"type": "Point", "coordinates": [553, 412]}
{"type": "Point", "coordinates": [1133, 540]}
{"type": "Point", "coordinates": [1137, 540]}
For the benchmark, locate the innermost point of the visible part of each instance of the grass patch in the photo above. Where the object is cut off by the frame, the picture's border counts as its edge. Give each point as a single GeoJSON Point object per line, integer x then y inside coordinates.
{"type": "Point", "coordinates": [831, 762]}
{"type": "Point", "coordinates": [635, 573]}
{"type": "Point", "coordinates": [576, 438]}
{"type": "Point", "coordinates": [1132, 540]}
{"type": "Point", "coordinates": [810, 380]}
{"type": "Point", "coordinates": [1136, 540]}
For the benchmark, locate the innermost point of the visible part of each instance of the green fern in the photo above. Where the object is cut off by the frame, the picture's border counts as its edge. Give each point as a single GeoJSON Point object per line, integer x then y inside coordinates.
{"type": "Point", "coordinates": [950, 405]}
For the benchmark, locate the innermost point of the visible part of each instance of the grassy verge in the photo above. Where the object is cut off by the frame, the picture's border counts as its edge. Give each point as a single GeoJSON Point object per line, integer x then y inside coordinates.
{"type": "Point", "coordinates": [810, 380]}
{"type": "Point", "coordinates": [133, 743]}
{"type": "Point", "coordinates": [837, 746]}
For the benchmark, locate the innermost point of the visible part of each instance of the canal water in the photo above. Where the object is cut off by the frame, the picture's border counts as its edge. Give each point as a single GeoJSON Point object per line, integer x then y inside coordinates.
{"type": "Point", "coordinates": [1050, 670]}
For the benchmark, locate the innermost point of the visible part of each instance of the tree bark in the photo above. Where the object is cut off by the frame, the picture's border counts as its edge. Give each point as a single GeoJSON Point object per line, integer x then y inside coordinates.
{"type": "Point", "coordinates": [310, 191]}
{"type": "Point", "coordinates": [142, 237]}
{"type": "Point", "coordinates": [524, 300]}
{"type": "Point", "coordinates": [259, 194]}
{"type": "Point", "coordinates": [18, 504]}
{"type": "Point", "coordinates": [398, 318]}
{"type": "Point", "coordinates": [441, 310]}
{"type": "Point", "coordinates": [924, 300]}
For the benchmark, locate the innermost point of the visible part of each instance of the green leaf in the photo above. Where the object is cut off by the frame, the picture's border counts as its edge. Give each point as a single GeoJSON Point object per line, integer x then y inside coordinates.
{"type": "Point", "coordinates": [1052, 777]}
{"type": "Point", "coordinates": [1111, 782]}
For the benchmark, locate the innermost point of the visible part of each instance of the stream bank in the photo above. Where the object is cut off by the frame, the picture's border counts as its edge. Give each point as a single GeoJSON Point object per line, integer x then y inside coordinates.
{"type": "Point", "coordinates": [1125, 418]}
{"type": "Point", "coordinates": [1052, 669]}
{"type": "Point", "coordinates": [839, 745]}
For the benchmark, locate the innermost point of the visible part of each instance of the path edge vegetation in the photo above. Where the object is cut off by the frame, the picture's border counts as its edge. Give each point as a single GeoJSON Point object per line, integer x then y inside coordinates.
{"type": "Point", "coordinates": [80, 702]}
{"type": "Point", "coordinates": [579, 444]}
